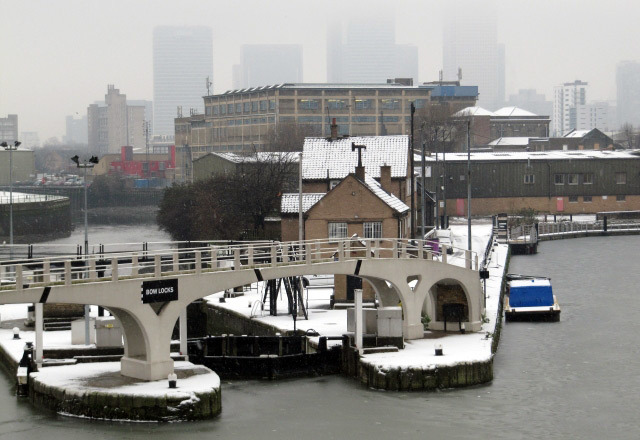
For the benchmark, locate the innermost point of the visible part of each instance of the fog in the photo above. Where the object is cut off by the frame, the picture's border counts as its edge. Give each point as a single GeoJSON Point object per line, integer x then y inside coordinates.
{"type": "Point", "coordinates": [58, 57]}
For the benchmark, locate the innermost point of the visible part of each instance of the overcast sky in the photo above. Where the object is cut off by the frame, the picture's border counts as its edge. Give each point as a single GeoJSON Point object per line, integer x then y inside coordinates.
{"type": "Point", "coordinates": [57, 57]}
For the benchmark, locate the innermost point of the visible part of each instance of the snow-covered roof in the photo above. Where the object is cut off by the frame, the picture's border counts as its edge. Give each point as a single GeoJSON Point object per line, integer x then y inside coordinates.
{"type": "Point", "coordinates": [510, 141]}
{"type": "Point", "coordinates": [290, 202]}
{"type": "Point", "coordinates": [577, 133]}
{"type": "Point", "coordinates": [513, 111]}
{"type": "Point", "coordinates": [536, 155]}
{"type": "Point", "coordinates": [320, 155]}
{"type": "Point", "coordinates": [473, 111]}
{"type": "Point", "coordinates": [260, 156]}
{"type": "Point", "coordinates": [392, 201]}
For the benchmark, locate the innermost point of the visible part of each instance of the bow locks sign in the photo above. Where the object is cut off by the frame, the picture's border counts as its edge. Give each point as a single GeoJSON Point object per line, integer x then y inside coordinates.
{"type": "Point", "coordinates": [159, 291]}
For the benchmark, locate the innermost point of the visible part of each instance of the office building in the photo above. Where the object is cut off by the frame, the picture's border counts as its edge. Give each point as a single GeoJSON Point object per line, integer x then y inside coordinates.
{"type": "Point", "coordinates": [244, 120]}
{"type": "Point", "coordinates": [532, 101]}
{"type": "Point", "coordinates": [628, 84]}
{"type": "Point", "coordinates": [115, 123]}
{"type": "Point", "coordinates": [182, 62]}
{"type": "Point", "coordinates": [268, 64]}
{"type": "Point", "coordinates": [76, 130]}
{"type": "Point", "coordinates": [471, 52]}
{"type": "Point", "coordinates": [365, 51]}
{"type": "Point", "coordinates": [567, 98]}
{"type": "Point", "coordinates": [9, 128]}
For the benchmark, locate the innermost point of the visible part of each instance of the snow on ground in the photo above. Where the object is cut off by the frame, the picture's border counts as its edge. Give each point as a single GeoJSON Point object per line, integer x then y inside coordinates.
{"type": "Point", "coordinates": [80, 378]}
{"type": "Point", "coordinates": [458, 348]}
{"type": "Point", "coordinates": [325, 321]}
{"type": "Point", "coordinates": [419, 353]}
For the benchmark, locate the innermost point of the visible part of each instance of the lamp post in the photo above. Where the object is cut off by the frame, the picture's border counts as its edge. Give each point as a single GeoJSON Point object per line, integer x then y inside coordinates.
{"type": "Point", "coordinates": [84, 165]}
{"type": "Point", "coordinates": [9, 147]}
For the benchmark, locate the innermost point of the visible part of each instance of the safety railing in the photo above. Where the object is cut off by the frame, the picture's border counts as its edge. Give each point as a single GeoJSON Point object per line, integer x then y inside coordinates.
{"type": "Point", "coordinates": [5, 199]}
{"type": "Point", "coordinates": [554, 228]}
{"type": "Point", "coordinates": [73, 269]}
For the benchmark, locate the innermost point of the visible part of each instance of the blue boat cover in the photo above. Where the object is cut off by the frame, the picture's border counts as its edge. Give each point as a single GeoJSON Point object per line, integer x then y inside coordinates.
{"type": "Point", "coordinates": [530, 293]}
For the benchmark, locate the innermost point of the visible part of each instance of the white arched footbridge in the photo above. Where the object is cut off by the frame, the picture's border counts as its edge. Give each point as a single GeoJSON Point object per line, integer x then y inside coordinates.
{"type": "Point", "coordinates": [399, 271]}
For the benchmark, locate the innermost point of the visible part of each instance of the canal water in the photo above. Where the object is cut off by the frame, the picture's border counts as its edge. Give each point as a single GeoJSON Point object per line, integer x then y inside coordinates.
{"type": "Point", "coordinates": [579, 378]}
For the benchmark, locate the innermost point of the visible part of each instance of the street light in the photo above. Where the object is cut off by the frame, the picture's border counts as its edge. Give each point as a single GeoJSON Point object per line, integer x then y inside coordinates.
{"type": "Point", "coordinates": [15, 146]}
{"type": "Point", "coordinates": [84, 165]}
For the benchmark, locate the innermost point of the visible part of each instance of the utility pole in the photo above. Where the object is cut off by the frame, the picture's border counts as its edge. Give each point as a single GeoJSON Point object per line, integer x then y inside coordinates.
{"type": "Point", "coordinates": [423, 216]}
{"type": "Point", "coordinates": [444, 182]}
{"type": "Point", "coordinates": [469, 183]}
{"type": "Point", "coordinates": [413, 207]}
{"type": "Point", "coordinates": [436, 179]}
{"type": "Point", "coordinates": [9, 147]}
{"type": "Point", "coordinates": [84, 165]}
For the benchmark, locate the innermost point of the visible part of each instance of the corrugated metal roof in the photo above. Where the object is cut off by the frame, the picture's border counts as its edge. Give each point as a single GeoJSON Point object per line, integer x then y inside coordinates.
{"type": "Point", "coordinates": [290, 202]}
{"type": "Point", "coordinates": [320, 155]}
{"type": "Point", "coordinates": [473, 111]}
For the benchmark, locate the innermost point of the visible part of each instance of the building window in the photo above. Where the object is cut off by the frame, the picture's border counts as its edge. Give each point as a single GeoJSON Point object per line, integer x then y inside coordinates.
{"type": "Point", "coordinates": [390, 104]}
{"type": "Point", "coordinates": [309, 104]}
{"type": "Point", "coordinates": [559, 179]}
{"type": "Point", "coordinates": [247, 107]}
{"type": "Point", "coordinates": [223, 109]}
{"type": "Point", "coordinates": [364, 104]}
{"type": "Point", "coordinates": [621, 178]}
{"type": "Point", "coordinates": [586, 199]}
{"type": "Point", "coordinates": [254, 106]}
{"type": "Point", "coordinates": [372, 229]}
{"type": "Point", "coordinates": [572, 179]}
{"type": "Point", "coordinates": [230, 108]}
{"type": "Point", "coordinates": [337, 230]}
{"type": "Point", "coordinates": [239, 107]}
{"type": "Point", "coordinates": [272, 104]}
{"type": "Point", "coordinates": [263, 105]}
{"type": "Point", "coordinates": [529, 179]}
{"type": "Point", "coordinates": [620, 198]}
{"type": "Point", "coordinates": [337, 104]}
{"type": "Point", "coordinates": [573, 199]}
{"type": "Point", "coordinates": [587, 179]}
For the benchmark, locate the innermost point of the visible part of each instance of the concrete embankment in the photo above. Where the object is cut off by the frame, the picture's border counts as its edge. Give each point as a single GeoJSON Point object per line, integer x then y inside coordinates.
{"type": "Point", "coordinates": [441, 373]}
{"type": "Point", "coordinates": [100, 392]}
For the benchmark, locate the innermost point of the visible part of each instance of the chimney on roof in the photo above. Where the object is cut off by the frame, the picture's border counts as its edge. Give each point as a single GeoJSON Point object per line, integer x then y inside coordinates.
{"type": "Point", "coordinates": [360, 173]}
{"type": "Point", "coordinates": [385, 177]}
{"type": "Point", "coordinates": [334, 129]}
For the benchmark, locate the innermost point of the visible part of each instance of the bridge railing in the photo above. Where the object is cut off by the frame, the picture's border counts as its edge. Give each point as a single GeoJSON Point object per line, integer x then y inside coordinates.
{"type": "Point", "coordinates": [551, 228]}
{"type": "Point", "coordinates": [209, 257]}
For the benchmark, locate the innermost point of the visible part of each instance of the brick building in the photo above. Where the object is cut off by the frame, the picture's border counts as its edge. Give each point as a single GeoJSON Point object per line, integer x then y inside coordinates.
{"type": "Point", "coordinates": [357, 206]}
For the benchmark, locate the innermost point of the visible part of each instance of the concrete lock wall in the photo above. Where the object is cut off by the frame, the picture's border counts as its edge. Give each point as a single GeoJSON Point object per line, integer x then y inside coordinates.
{"type": "Point", "coordinates": [46, 218]}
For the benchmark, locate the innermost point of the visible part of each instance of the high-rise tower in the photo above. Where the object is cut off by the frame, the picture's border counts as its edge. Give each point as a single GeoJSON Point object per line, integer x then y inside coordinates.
{"type": "Point", "coordinates": [470, 47]}
{"type": "Point", "coordinates": [182, 62]}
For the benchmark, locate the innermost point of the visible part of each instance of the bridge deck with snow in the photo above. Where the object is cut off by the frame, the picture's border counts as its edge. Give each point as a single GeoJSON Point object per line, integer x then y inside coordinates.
{"type": "Point", "coordinates": [398, 269]}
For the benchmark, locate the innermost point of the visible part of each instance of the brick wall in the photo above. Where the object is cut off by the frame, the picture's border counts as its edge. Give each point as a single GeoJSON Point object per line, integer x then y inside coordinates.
{"type": "Point", "coordinates": [492, 206]}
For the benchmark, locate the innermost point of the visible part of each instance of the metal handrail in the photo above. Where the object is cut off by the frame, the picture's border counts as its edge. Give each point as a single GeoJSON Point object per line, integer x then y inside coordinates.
{"type": "Point", "coordinates": [170, 262]}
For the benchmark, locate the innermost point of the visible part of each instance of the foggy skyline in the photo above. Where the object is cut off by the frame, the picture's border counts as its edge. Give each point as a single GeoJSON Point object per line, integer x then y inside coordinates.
{"type": "Point", "coordinates": [59, 56]}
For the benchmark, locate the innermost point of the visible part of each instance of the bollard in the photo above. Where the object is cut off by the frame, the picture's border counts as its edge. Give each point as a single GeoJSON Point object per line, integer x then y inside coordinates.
{"type": "Point", "coordinates": [16, 333]}
{"type": "Point", "coordinates": [604, 223]}
{"type": "Point", "coordinates": [173, 380]}
{"type": "Point", "coordinates": [439, 350]}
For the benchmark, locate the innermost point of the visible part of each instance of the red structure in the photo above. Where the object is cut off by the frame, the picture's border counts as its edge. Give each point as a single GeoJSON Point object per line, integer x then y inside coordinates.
{"type": "Point", "coordinates": [135, 166]}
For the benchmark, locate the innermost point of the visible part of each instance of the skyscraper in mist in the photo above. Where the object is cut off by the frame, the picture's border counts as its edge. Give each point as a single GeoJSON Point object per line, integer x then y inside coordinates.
{"type": "Point", "coordinates": [470, 44]}
{"type": "Point", "coordinates": [364, 50]}
{"type": "Point", "coordinates": [628, 84]}
{"type": "Point", "coordinates": [182, 61]}
{"type": "Point", "coordinates": [268, 64]}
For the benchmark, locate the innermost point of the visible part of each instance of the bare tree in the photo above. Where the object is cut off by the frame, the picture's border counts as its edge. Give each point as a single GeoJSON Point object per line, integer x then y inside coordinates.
{"type": "Point", "coordinates": [439, 129]}
{"type": "Point", "coordinates": [630, 137]}
{"type": "Point", "coordinates": [289, 136]}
